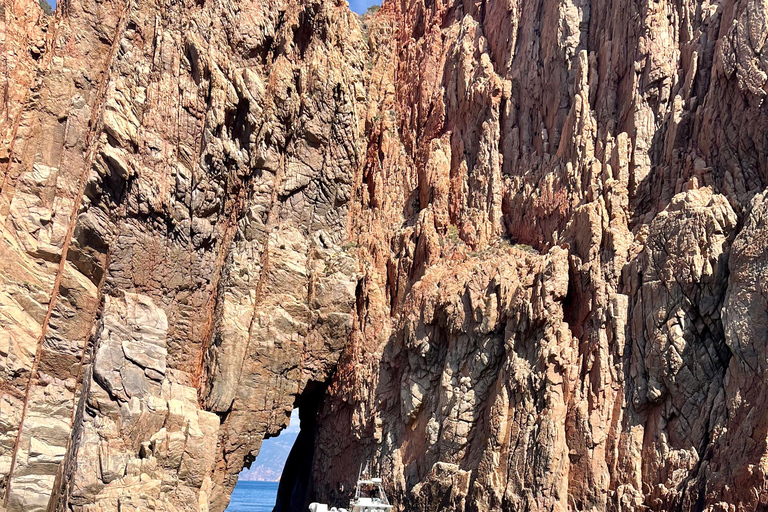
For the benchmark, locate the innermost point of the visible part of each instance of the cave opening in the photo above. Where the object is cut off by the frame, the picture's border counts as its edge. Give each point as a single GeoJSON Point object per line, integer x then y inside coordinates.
{"type": "Point", "coordinates": [257, 484]}
{"type": "Point", "coordinates": [295, 490]}
{"type": "Point", "coordinates": [279, 479]}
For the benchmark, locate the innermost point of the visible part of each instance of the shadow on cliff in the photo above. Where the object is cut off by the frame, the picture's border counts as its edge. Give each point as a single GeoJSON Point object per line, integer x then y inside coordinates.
{"type": "Point", "coordinates": [293, 493]}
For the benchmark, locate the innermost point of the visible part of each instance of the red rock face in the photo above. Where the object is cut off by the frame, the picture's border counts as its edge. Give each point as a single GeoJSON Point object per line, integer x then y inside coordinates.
{"type": "Point", "coordinates": [511, 252]}
{"type": "Point", "coordinates": [551, 223]}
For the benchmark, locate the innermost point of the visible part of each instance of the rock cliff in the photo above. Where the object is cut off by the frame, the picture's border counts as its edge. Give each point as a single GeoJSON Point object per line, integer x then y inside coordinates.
{"type": "Point", "coordinates": [514, 252]}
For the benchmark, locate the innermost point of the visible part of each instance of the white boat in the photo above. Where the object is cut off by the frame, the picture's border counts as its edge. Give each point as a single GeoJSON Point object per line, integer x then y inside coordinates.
{"type": "Point", "coordinates": [369, 497]}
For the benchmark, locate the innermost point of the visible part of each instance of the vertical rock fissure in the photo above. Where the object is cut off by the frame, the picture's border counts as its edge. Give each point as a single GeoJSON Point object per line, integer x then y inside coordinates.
{"type": "Point", "coordinates": [59, 496]}
{"type": "Point", "coordinates": [96, 125]}
{"type": "Point", "coordinates": [51, 38]}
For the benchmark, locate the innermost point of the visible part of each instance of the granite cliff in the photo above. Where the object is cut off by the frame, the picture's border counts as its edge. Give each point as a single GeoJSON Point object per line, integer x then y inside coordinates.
{"type": "Point", "coordinates": [514, 252]}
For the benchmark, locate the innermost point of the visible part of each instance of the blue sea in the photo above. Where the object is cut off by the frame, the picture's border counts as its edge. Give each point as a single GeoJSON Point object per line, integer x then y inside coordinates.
{"type": "Point", "coordinates": [253, 497]}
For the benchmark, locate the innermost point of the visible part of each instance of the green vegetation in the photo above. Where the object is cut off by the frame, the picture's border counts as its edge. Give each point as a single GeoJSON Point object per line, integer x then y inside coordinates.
{"type": "Point", "coordinates": [502, 246]}
{"type": "Point", "coordinates": [372, 10]}
{"type": "Point", "coordinates": [453, 233]}
{"type": "Point", "coordinates": [526, 248]}
{"type": "Point", "coordinates": [46, 7]}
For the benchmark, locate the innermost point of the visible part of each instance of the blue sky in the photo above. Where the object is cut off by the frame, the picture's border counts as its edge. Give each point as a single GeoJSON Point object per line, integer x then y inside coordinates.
{"type": "Point", "coordinates": [359, 6]}
{"type": "Point", "coordinates": [294, 426]}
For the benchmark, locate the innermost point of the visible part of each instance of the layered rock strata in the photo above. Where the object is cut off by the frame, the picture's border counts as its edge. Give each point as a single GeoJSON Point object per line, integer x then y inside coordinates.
{"type": "Point", "coordinates": [514, 253]}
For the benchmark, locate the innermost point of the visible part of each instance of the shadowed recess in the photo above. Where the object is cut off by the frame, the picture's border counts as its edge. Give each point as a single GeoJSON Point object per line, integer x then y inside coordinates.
{"type": "Point", "coordinates": [294, 492]}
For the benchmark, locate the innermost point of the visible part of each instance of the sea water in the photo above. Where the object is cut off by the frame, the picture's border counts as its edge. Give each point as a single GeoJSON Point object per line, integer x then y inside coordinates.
{"type": "Point", "coordinates": [253, 497]}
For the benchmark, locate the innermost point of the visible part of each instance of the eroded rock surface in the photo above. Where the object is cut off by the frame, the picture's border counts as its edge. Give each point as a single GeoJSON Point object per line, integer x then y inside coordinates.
{"type": "Point", "coordinates": [511, 252]}
{"type": "Point", "coordinates": [173, 214]}
{"type": "Point", "coordinates": [619, 143]}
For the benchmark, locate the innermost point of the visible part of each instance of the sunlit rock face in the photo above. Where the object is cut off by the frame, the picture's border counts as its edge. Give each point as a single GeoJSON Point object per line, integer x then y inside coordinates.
{"type": "Point", "coordinates": [511, 253]}
{"type": "Point", "coordinates": [175, 192]}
